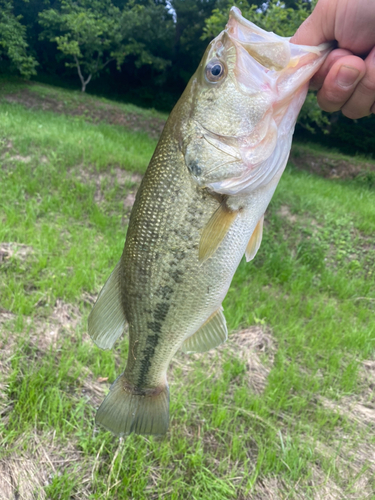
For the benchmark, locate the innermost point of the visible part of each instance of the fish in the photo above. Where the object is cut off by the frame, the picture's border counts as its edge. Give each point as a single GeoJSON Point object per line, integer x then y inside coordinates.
{"type": "Point", "coordinates": [199, 209]}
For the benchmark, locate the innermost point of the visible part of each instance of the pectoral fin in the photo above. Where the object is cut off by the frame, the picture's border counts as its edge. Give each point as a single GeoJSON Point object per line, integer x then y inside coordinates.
{"type": "Point", "coordinates": [210, 335]}
{"type": "Point", "coordinates": [215, 231]}
{"type": "Point", "coordinates": [255, 241]}
{"type": "Point", "coordinates": [107, 320]}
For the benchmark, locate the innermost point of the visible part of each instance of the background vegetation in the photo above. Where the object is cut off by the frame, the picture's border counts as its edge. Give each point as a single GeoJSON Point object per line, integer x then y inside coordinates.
{"type": "Point", "coordinates": [284, 409]}
{"type": "Point", "coordinates": [145, 51]}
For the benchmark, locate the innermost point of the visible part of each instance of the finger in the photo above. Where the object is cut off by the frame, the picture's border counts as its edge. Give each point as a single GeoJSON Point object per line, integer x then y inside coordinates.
{"type": "Point", "coordinates": [363, 98]}
{"type": "Point", "coordinates": [341, 82]}
{"type": "Point", "coordinates": [349, 22]}
{"type": "Point", "coordinates": [319, 26]}
{"type": "Point", "coordinates": [318, 79]}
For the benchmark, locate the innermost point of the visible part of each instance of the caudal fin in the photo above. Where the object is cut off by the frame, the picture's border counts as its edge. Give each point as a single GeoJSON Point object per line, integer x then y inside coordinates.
{"type": "Point", "coordinates": [127, 409]}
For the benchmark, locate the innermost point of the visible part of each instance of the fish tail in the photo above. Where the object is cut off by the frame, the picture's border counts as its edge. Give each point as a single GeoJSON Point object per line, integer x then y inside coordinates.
{"type": "Point", "coordinates": [128, 409]}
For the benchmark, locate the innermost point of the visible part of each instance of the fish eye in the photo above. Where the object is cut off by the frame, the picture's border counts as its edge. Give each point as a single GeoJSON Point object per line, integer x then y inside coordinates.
{"type": "Point", "coordinates": [215, 71]}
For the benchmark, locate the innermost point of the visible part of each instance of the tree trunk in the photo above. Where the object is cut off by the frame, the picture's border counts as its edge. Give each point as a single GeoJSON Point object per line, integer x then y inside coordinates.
{"type": "Point", "coordinates": [81, 77]}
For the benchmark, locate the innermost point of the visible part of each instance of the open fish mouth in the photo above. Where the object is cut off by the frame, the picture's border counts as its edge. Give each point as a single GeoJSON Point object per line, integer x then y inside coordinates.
{"type": "Point", "coordinates": [261, 53]}
{"type": "Point", "coordinates": [270, 50]}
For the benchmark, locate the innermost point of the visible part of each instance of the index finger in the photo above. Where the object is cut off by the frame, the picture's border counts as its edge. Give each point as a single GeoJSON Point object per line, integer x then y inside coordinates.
{"type": "Point", "coordinates": [319, 77]}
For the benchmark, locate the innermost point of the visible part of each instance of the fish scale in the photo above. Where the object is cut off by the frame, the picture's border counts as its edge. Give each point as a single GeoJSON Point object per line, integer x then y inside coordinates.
{"type": "Point", "coordinates": [178, 271]}
{"type": "Point", "coordinates": [198, 211]}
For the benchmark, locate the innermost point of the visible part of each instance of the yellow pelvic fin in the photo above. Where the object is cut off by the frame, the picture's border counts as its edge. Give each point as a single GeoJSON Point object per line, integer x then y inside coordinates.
{"type": "Point", "coordinates": [126, 410]}
{"type": "Point", "coordinates": [210, 335]}
{"type": "Point", "coordinates": [107, 320]}
{"type": "Point", "coordinates": [215, 231]}
{"type": "Point", "coordinates": [255, 241]}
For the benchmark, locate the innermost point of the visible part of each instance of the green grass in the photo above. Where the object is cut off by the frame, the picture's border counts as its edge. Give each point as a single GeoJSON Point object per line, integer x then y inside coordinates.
{"type": "Point", "coordinates": [308, 297]}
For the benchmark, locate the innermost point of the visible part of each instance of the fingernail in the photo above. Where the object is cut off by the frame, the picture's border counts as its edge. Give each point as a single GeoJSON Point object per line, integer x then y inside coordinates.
{"type": "Point", "coordinates": [347, 76]}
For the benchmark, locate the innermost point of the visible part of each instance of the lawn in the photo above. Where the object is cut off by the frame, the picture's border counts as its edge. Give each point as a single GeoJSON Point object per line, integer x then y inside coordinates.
{"type": "Point", "coordinates": [285, 409]}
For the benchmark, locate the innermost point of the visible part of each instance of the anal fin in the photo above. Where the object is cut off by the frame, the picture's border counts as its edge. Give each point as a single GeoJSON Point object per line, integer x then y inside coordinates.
{"type": "Point", "coordinates": [215, 231]}
{"type": "Point", "coordinates": [107, 320]}
{"type": "Point", "coordinates": [255, 241]}
{"type": "Point", "coordinates": [210, 335]}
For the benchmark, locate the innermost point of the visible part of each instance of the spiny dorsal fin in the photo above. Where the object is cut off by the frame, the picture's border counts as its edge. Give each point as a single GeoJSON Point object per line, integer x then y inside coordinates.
{"type": "Point", "coordinates": [211, 334]}
{"type": "Point", "coordinates": [215, 231]}
{"type": "Point", "coordinates": [255, 241]}
{"type": "Point", "coordinates": [107, 320]}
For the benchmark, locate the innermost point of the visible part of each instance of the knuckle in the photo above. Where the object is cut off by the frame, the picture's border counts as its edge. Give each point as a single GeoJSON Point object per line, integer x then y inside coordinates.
{"type": "Point", "coordinates": [367, 86]}
{"type": "Point", "coordinates": [354, 114]}
{"type": "Point", "coordinates": [328, 103]}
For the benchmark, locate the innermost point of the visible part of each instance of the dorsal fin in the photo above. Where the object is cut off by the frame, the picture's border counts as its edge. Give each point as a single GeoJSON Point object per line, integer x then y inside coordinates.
{"type": "Point", "coordinates": [215, 231]}
{"type": "Point", "coordinates": [107, 320]}
{"type": "Point", "coordinates": [255, 241]}
{"type": "Point", "coordinates": [211, 334]}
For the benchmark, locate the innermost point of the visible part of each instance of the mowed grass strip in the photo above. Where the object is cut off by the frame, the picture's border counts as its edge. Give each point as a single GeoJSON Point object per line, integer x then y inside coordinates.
{"type": "Point", "coordinates": [283, 409]}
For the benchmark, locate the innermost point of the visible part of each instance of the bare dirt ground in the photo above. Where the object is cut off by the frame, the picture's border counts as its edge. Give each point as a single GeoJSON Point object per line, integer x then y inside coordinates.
{"type": "Point", "coordinates": [101, 112]}
{"type": "Point", "coordinates": [330, 168]}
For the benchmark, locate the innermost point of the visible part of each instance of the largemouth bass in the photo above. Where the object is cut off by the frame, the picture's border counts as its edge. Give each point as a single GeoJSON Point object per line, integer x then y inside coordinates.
{"type": "Point", "coordinates": [198, 211]}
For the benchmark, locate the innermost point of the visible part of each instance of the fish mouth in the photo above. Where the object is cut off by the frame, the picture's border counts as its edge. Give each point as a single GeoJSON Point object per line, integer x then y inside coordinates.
{"type": "Point", "coordinates": [268, 49]}
{"type": "Point", "coordinates": [264, 58]}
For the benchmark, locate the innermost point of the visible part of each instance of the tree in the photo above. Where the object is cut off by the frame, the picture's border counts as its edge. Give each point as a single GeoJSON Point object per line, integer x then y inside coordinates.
{"type": "Point", "coordinates": [277, 17]}
{"type": "Point", "coordinates": [190, 16]}
{"type": "Point", "coordinates": [271, 16]}
{"type": "Point", "coordinates": [13, 43]}
{"type": "Point", "coordinates": [93, 33]}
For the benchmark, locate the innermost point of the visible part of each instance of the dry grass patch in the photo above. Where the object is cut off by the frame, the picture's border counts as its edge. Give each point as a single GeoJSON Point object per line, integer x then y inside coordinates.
{"type": "Point", "coordinates": [63, 320]}
{"type": "Point", "coordinates": [25, 472]}
{"type": "Point", "coordinates": [257, 348]}
{"type": "Point", "coordinates": [52, 333]}
{"type": "Point", "coordinates": [254, 346]}
{"type": "Point", "coordinates": [29, 465]}
{"type": "Point", "coordinates": [285, 212]}
{"type": "Point", "coordinates": [16, 250]}
{"type": "Point", "coordinates": [126, 182]}
{"type": "Point", "coordinates": [353, 455]}
{"type": "Point", "coordinates": [267, 489]}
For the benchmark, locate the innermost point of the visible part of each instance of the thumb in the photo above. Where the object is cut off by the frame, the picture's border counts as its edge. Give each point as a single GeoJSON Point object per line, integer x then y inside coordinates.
{"type": "Point", "coordinates": [311, 32]}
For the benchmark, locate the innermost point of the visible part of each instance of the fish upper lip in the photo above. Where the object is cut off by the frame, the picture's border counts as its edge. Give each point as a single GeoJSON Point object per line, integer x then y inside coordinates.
{"type": "Point", "coordinates": [236, 14]}
{"type": "Point", "coordinates": [272, 51]}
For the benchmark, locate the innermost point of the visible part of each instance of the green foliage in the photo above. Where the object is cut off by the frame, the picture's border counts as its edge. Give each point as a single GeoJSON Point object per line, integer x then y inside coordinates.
{"type": "Point", "coordinates": [349, 136]}
{"type": "Point", "coordinates": [311, 117]}
{"type": "Point", "coordinates": [274, 16]}
{"type": "Point", "coordinates": [188, 44]}
{"type": "Point", "coordinates": [277, 17]}
{"type": "Point", "coordinates": [13, 40]}
{"type": "Point", "coordinates": [95, 33]}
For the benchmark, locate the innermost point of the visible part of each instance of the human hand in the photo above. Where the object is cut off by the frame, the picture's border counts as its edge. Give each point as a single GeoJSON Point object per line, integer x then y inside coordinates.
{"type": "Point", "coordinates": [347, 78]}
